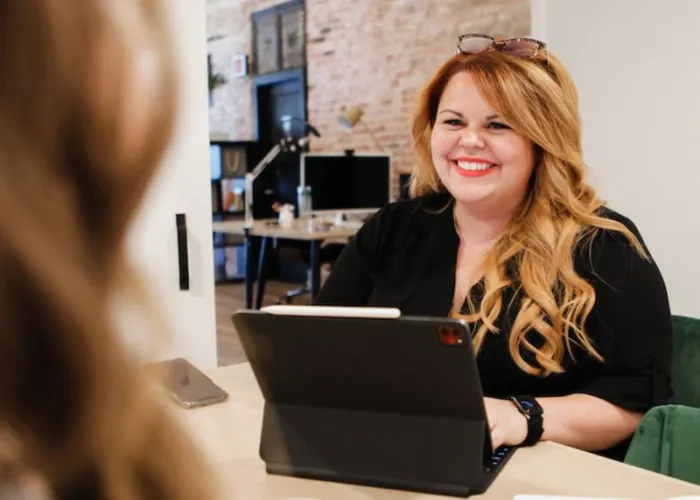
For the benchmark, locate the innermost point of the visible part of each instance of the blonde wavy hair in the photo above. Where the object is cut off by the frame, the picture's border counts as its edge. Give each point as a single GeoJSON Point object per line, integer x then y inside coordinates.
{"type": "Point", "coordinates": [560, 212]}
{"type": "Point", "coordinates": [78, 417]}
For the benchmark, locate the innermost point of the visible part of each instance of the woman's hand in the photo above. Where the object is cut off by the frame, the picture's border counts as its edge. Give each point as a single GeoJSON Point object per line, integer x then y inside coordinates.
{"type": "Point", "coordinates": [508, 425]}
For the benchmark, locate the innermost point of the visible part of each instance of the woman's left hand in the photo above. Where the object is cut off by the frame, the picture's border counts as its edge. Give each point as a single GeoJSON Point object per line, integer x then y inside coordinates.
{"type": "Point", "coordinates": [508, 425]}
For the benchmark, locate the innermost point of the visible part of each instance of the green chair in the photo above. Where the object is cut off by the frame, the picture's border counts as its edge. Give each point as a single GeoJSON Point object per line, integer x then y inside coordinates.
{"type": "Point", "coordinates": [668, 441]}
{"type": "Point", "coordinates": [686, 361]}
{"type": "Point", "coordinates": [668, 437]}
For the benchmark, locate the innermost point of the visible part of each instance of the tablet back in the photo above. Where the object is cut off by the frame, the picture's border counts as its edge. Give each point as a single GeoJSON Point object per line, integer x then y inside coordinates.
{"type": "Point", "coordinates": [385, 402]}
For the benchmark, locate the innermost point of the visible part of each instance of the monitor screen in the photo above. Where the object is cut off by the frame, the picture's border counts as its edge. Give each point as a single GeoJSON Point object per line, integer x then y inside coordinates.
{"type": "Point", "coordinates": [347, 182]}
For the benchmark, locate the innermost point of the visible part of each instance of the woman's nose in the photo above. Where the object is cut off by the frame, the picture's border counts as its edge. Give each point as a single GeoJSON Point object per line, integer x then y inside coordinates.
{"type": "Point", "coordinates": [471, 138]}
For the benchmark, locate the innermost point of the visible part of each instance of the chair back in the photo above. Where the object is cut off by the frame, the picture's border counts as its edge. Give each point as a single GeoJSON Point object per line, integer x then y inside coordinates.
{"type": "Point", "coordinates": [686, 361]}
{"type": "Point", "coordinates": [667, 441]}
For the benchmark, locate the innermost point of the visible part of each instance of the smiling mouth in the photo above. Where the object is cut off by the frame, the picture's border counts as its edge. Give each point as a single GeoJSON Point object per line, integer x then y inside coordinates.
{"type": "Point", "coordinates": [473, 165]}
{"type": "Point", "coordinates": [472, 169]}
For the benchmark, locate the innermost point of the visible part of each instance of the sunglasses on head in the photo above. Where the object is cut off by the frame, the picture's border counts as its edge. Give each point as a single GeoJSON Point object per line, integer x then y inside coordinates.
{"type": "Point", "coordinates": [475, 43]}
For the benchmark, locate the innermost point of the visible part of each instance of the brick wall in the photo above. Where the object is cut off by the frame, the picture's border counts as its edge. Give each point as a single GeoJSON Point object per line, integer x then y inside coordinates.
{"type": "Point", "coordinates": [228, 21]}
{"type": "Point", "coordinates": [373, 53]}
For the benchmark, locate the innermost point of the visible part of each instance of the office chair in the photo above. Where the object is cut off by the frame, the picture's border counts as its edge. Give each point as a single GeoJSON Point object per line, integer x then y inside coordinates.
{"type": "Point", "coordinates": [329, 254]}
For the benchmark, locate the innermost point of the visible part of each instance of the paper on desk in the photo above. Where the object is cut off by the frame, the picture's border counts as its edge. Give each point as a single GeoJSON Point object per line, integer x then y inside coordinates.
{"type": "Point", "coordinates": [559, 497]}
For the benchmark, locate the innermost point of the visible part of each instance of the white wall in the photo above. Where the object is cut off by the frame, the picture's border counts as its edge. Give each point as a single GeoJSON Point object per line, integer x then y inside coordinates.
{"type": "Point", "coordinates": [182, 186]}
{"type": "Point", "coordinates": [637, 67]}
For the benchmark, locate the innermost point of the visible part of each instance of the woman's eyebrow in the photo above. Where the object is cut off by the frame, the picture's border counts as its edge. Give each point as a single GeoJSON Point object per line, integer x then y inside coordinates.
{"type": "Point", "coordinates": [453, 112]}
{"type": "Point", "coordinates": [488, 118]}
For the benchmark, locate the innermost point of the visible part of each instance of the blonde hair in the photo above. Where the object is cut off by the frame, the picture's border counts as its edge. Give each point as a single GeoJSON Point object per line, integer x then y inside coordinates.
{"type": "Point", "coordinates": [74, 403]}
{"type": "Point", "coordinates": [538, 99]}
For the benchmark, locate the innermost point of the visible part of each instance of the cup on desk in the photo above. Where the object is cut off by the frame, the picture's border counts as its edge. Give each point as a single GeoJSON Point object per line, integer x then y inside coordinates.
{"type": "Point", "coordinates": [286, 216]}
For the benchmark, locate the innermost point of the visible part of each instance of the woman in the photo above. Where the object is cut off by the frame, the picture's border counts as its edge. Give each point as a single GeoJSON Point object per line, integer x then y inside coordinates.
{"type": "Point", "coordinates": [569, 313]}
{"type": "Point", "coordinates": [86, 112]}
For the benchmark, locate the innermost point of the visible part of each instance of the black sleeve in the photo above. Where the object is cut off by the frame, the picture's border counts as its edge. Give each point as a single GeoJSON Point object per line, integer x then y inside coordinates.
{"type": "Point", "coordinates": [630, 325]}
{"type": "Point", "coordinates": [350, 281]}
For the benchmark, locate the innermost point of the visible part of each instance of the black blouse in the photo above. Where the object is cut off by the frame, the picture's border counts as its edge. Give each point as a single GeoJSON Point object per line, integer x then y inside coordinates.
{"type": "Point", "coordinates": [405, 255]}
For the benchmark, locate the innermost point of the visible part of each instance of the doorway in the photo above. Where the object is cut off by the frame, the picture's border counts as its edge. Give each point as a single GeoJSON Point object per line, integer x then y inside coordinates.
{"type": "Point", "coordinates": [277, 96]}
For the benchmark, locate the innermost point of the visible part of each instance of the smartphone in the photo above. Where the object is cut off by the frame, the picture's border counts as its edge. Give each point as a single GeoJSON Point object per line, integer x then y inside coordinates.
{"type": "Point", "coordinates": [187, 385]}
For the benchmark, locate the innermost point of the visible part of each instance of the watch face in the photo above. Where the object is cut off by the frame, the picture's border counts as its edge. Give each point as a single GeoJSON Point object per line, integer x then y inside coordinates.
{"type": "Point", "coordinates": [528, 405]}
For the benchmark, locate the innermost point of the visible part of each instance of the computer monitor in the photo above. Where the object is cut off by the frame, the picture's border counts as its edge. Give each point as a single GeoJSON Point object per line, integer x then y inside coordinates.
{"type": "Point", "coordinates": [346, 183]}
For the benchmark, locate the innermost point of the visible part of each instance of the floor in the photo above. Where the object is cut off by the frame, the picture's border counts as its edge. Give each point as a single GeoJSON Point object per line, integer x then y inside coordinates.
{"type": "Point", "coordinates": [230, 298]}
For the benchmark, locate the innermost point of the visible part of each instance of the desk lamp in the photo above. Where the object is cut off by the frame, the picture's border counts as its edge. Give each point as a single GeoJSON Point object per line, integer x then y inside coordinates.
{"type": "Point", "coordinates": [352, 117]}
{"type": "Point", "coordinates": [288, 143]}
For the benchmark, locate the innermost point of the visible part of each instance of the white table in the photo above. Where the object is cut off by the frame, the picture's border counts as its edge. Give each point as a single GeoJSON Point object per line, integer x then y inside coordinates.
{"type": "Point", "coordinates": [229, 434]}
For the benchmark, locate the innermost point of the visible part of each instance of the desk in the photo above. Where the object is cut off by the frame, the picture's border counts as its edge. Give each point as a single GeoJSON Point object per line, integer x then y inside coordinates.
{"type": "Point", "coordinates": [267, 230]}
{"type": "Point", "coordinates": [229, 434]}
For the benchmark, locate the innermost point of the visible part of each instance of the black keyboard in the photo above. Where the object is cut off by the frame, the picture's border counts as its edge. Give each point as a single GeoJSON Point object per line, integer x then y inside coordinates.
{"type": "Point", "coordinates": [497, 458]}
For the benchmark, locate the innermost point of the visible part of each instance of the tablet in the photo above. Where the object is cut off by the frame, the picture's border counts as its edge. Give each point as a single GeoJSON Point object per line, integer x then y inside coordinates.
{"type": "Point", "coordinates": [368, 396]}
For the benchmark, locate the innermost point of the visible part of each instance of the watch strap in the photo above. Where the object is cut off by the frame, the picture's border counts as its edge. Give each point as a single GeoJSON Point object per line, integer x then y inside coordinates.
{"type": "Point", "coordinates": [535, 421]}
{"type": "Point", "coordinates": [535, 428]}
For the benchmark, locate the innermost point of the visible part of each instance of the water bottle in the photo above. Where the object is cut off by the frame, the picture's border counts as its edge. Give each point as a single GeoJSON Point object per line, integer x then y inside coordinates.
{"type": "Point", "coordinates": [304, 200]}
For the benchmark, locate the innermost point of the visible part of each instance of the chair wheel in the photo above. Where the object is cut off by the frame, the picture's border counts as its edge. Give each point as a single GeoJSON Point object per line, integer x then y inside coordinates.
{"type": "Point", "coordinates": [284, 300]}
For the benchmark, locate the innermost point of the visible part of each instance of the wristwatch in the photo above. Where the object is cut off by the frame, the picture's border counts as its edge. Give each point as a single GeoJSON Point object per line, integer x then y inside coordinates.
{"type": "Point", "coordinates": [531, 409]}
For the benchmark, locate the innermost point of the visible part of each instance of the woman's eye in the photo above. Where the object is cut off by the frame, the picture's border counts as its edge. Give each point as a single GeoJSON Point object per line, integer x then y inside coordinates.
{"type": "Point", "coordinates": [498, 126]}
{"type": "Point", "coordinates": [453, 122]}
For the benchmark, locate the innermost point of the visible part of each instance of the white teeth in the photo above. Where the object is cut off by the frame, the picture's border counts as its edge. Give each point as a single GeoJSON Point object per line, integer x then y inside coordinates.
{"type": "Point", "coordinates": [467, 165]}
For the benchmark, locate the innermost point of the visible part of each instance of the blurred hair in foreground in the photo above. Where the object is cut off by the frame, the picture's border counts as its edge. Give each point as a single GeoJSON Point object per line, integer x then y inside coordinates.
{"type": "Point", "coordinates": [87, 106]}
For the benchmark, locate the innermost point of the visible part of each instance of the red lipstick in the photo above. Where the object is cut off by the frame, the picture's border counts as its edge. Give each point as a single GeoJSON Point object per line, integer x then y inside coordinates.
{"type": "Point", "coordinates": [464, 172]}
